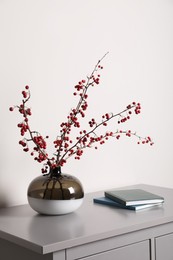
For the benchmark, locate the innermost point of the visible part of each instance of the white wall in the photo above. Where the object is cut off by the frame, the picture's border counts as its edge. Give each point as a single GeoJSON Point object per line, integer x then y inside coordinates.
{"type": "Point", "coordinates": [51, 45]}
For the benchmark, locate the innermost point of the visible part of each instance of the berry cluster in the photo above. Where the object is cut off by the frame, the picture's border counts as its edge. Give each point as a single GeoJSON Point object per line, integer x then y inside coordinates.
{"type": "Point", "coordinates": [38, 149]}
{"type": "Point", "coordinates": [65, 146]}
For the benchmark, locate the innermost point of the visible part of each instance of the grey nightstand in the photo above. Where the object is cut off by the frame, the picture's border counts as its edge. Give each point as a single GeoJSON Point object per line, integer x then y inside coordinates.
{"type": "Point", "coordinates": [93, 232]}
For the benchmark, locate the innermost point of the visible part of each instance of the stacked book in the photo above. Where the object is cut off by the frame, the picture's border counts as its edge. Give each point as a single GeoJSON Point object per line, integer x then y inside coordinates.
{"type": "Point", "coordinates": [133, 199]}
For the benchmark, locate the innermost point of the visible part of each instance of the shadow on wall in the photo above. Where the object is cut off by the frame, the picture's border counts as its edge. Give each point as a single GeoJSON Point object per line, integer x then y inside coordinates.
{"type": "Point", "coordinates": [3, 200]}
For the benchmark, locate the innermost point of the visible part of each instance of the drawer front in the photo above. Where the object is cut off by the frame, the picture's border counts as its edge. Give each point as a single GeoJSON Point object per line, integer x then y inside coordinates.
{"type": "Point", "coordinates": [164, 247]}
{"type": "Point", "coordinates": [136, 251]}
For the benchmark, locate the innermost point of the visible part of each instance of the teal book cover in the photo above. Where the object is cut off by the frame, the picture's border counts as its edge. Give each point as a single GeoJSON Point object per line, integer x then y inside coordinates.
{"type": "Point", "coordinates": [133, 197]}
{"type": "Point", "coordinates": [109, 202]}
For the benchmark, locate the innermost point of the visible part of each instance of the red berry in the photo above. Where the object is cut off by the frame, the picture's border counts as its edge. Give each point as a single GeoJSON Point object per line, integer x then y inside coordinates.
{"type": "Point", "coordinates": [24, 93]}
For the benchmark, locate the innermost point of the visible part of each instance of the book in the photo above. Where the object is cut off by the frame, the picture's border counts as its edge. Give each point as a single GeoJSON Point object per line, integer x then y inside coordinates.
{"type": "Point", "coordinates": [109, 202]}
{"type": "Point", "coordinates": [133, 197]}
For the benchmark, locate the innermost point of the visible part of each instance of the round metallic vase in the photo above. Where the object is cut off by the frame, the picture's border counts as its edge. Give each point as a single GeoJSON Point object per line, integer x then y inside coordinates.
{"type": "Point", "coordinates": [55, 195]}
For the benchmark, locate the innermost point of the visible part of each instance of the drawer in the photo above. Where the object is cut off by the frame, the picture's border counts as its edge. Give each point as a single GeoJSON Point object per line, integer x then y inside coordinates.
{"type": "Point", "coordinates": [135, 251]}
{"type": "Point", "coordinates": [164, 247]}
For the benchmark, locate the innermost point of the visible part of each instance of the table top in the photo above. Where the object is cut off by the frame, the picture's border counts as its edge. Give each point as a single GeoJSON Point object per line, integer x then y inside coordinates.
{"type": "Point", "coordinates": [91, 222]}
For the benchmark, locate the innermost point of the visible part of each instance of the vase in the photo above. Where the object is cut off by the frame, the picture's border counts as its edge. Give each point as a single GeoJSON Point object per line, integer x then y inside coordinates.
{"type": "Point", "coordinates": [55, 193]}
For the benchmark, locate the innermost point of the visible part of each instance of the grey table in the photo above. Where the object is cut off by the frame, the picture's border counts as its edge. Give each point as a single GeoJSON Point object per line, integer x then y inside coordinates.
{"type": "Point", "coordinates": [93, 232]}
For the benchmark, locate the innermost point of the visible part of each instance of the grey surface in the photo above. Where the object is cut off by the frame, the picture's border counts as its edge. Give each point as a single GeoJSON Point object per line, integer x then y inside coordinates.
{"type": "Point", "coordinates": [138, 251]}
{"type": "Point", "coordinates": [91, 222]}
{"type": "Point", "coordinates": [164, 247]}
